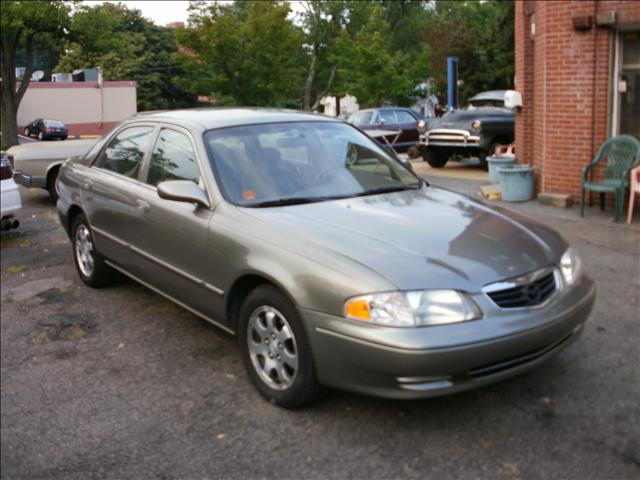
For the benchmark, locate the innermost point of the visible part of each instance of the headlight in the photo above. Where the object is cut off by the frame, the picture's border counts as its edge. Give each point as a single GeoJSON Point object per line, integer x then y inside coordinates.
{"type": "Point", "coordinates": [570, 266]}
{"type": "Point", "coordinates": [413, 309]}
{"type": "Point", "coordinates": [477, 124]}
{"type": "Point", "coordinates": [422, 126]}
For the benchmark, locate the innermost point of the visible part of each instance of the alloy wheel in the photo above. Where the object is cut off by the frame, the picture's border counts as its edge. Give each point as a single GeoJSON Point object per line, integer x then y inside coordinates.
{"type": "Point", "coordinates": [84, 250]}
{"type": "Point", "coordinates": [272, 347]}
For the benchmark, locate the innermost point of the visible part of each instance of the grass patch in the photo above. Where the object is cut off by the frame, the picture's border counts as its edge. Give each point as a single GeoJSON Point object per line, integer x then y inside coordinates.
{"type": "Point", "coordinates": [13, 269]}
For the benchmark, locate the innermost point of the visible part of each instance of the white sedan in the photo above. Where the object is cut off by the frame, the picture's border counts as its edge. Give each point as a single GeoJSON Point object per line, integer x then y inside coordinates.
{"type": "Point", "coordinates": [10, 201]}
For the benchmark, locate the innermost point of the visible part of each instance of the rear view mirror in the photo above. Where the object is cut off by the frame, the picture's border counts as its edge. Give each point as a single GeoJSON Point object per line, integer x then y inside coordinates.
{"type": "Point", "coordinates": [512, 99]}
{"type": "Point", "coordinates": [183, 191]}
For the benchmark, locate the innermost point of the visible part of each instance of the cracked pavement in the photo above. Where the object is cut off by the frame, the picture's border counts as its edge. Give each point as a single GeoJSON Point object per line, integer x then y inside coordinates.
{"type": "Point", "coordinates": [121, 383]}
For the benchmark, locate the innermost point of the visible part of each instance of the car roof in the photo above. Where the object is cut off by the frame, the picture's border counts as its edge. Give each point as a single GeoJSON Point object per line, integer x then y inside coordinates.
{"type": "Point", "coordinates": [211, 118]}
{"type": "Point", "coordinates": [383, 108]}
{"type": "Point", "coordinates": [490, 95]}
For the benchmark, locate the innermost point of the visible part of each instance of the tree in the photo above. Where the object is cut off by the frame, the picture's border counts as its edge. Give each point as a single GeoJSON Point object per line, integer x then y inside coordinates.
{"type": "Point", "coordinates": [481, 34]}
{"type": "Point", "coordinates": [129, 47]}
{"type": "Point", "coordinates": [251, 50]}
{"type": "Point", "coordinates": [23, 23]}
{"type": "Point", "coordinates": [371, 69]}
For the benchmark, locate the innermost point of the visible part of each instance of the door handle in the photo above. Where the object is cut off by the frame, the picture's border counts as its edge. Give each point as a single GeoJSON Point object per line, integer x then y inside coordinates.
{"type": "Point", "coordinates": [142, 205]}
{"type": "Point", "coordinates": [87, 185]}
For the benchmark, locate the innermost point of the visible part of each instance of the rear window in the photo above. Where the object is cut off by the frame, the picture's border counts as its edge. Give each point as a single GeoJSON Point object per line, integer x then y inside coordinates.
{"type": "Point", "coordinates": [53, 123]}
{"type": "Point", "coordinates": [361, 118]}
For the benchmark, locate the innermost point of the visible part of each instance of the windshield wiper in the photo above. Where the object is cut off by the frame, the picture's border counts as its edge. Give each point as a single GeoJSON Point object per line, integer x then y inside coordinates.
{"type": "Point", "coordinates": [279, 202]}
{"type": "Point", "coordinates": [390, 189]}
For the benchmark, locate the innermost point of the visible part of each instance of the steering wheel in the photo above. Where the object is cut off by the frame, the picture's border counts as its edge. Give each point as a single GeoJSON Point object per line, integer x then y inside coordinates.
{"type": "Point", "coordinates": [350, 158]}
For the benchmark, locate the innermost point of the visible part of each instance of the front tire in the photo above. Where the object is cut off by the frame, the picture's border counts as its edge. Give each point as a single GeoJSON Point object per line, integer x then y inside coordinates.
{"type": "Point", "coordinates": [51, 184]}
{"type": "Point", "coordinates": [90, 265]}
{"type": "Point", "coordinates": [275, 349]}
{"type": "Point", "coordinates": [40, 135]}
{"type": "Point", "coordinates": [27, 133]}
{"type": "Point", "coordinates": [436, 157]}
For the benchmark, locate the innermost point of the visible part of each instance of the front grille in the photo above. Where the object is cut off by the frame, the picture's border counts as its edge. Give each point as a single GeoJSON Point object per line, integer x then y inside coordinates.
{"type": "Point", "coordinates": [528, 295]}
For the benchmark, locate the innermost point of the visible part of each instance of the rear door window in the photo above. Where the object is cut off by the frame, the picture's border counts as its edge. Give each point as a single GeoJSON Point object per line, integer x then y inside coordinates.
{"type": "Point", "coordinates": [173, 158]}
{"type": "Point", "coordinates": [388, 117]}
{"type": "Point", "coordinates": [125, 151]}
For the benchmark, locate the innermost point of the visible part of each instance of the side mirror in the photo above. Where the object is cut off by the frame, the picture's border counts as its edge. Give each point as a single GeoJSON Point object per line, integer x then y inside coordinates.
{"type": "Point", "coordinates": [183, 191]}
{"type": "Point", "coordinates": [512, 99]}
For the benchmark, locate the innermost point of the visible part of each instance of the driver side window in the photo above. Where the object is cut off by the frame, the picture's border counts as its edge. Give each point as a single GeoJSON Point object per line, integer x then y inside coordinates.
{"type": "Point", "coordinates": [124, 153]}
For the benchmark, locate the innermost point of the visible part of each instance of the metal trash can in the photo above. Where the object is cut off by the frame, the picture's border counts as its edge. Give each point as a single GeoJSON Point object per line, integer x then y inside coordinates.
{"type": "Point", "coordinates": [497, 161]}
{"type": "Point", "coordinates": [516, 182]}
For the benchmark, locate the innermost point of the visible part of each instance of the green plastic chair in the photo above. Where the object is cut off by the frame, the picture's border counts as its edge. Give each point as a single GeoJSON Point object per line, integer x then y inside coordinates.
{"type": "Point", "coordinates": [622, 154]}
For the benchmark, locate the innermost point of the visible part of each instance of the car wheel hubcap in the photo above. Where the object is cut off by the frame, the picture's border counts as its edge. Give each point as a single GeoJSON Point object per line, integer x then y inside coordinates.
{"type": "Point", "coordinates": [84, 250]}
{"type": "Point", "coordinates": [272, 348]}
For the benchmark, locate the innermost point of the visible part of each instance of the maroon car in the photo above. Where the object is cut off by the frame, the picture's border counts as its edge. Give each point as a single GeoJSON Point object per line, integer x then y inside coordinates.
{"type": "Point", "coordinates": [403, 120]}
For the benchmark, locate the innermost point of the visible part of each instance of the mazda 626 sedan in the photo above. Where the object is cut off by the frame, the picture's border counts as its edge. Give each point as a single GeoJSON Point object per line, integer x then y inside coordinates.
{"type": "Point", "coordinates": [333, 264]}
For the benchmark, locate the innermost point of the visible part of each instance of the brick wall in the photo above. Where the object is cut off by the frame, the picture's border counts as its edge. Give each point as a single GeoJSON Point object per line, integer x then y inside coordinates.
{"type": "Point", "coordinates": [563, 75]}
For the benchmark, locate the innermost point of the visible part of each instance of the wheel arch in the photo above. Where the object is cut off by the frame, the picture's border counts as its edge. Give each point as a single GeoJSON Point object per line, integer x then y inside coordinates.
{"type": "Point", "coordinates": [241, 287]}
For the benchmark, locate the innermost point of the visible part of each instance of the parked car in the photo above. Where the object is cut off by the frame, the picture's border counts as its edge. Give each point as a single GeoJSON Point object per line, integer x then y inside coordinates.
{"type": "Point", "coordinates": [333, 264]}
{"type": "Point", "coordinates": [37, 164]}
{"type": "Point", "coordinates": [46, 129]}
{"type": "Point", "coordinates": [10, 201]}
{"type": "Point", "coordinates": [473, 131]}
{"type": "Point", "coordinates": [403, 120]}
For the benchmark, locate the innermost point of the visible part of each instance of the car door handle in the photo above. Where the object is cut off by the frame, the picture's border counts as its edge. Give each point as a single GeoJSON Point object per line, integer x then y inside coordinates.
{"type": "Point", "coordinates": [142, 205]}
{"type": "Point", "coordinates": [87, 185]}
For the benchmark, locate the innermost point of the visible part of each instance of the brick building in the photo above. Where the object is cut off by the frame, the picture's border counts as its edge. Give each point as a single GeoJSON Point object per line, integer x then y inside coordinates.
{"type": "Point", "coordinates": [578, 69]}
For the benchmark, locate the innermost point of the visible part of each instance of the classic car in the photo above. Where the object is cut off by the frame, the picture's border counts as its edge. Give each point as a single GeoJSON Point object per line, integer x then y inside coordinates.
{"type": "Point", "coordinates": [46, 129]}
{"type": "Point", "coordinates": [37, 164]}
{"type": "Point", "coordinates": [10, 201]}
{"type": "Point", "coordinates": [333, 264]}
{"type": "Point", "coordinates": [474, 131]}
{"type": "Point", "coordinates": [404, 121]}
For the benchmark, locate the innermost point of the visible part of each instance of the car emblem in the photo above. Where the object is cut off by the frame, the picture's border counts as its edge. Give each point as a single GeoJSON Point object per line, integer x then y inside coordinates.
{"type": "Point", "coordinates": [533, 294]}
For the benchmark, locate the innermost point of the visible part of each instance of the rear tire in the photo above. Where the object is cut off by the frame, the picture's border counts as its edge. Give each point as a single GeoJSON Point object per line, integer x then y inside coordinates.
{"type": "Point", "coordinates": [435, 157]}
{"type": "Point", "coordinates": [275, 349]}
{"type": "Point", "coordinates": [90, 265]}
{"type": "Point", "coordinates": [51, 183]}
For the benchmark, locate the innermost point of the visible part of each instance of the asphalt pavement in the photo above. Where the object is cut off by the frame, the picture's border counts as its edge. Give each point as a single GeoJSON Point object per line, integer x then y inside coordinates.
{"type": "Point", "coordinates": [120, 383]}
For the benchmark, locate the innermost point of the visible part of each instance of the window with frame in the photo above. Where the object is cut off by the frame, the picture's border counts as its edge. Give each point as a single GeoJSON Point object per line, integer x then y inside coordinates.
{"type": "Point", "coordinates": [173, 158]}
{"type": "Point", "coordinates": [388, 117]}
{"type": "Point", "coordinates": [125, 151]}
{"type": "Point", "coordinates": [405, 117]}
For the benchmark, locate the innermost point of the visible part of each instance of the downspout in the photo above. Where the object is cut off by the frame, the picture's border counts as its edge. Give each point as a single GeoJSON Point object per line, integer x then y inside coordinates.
{"type": "Point", "coordinates": [594, 106]}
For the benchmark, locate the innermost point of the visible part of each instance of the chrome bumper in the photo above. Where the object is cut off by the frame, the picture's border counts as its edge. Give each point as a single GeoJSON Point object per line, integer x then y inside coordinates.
{"type": "Point", "coordinates": [29, 181]}
{"type": "Point", "coordinates": [449, 137]}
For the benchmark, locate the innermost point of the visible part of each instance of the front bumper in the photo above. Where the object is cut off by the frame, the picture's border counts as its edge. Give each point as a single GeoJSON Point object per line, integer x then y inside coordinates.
{"type": "Point", "coordinates": [432, 361]}
{"type": "Point", "coordinates": [29, 181]}
{"type": "Point", "coordinates": [450, 137]}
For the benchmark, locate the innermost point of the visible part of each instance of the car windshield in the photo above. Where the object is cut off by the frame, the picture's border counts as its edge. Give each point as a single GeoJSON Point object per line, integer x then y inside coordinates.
{"type": "Point", "coordinates": [53, 123]}
{"type": "Point", "coordinates": [361, 118]}
{"type": "Point", "coordinates": [289, 163]}
{"type": "Point", "coordinates": [486, 103]}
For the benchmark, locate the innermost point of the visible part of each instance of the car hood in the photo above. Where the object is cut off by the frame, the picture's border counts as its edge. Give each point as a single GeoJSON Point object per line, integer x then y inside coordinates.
{"type": "Point", "coordinates": [429, 238]}
{"type": "Point", "coordinates": [462, 119]}
{"type": "Point", "coordinates": [51, 150]}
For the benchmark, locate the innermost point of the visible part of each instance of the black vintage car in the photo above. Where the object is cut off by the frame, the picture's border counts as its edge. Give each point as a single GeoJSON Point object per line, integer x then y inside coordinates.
{"type": "Point", "coordinates": [472, 131]}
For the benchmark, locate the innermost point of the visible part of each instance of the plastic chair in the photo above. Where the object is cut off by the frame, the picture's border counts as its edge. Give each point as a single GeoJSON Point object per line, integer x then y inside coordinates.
{"type": "Point", "coordinates": [635, 188]}
{"type": "Point", "coordinates": [622, 154]}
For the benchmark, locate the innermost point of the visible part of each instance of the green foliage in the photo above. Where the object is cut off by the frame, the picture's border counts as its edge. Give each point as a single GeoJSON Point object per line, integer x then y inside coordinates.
{"type": "Point", "coordinates": [250, 50]}
{"type": "Point", "coordinates": [372, 69]}
{"type": "Point", "coordinates": [481, 34]}
{"type": "Point", "coordinates": [129, 47]}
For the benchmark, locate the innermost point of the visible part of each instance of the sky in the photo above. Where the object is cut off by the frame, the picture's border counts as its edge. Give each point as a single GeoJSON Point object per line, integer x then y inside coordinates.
{"type": "Point", "coordinates": [163, 12]}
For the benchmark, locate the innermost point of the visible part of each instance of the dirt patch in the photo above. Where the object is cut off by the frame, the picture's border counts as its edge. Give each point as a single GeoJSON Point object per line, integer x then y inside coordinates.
{"type": "Point", "coordinates": [62, 327]}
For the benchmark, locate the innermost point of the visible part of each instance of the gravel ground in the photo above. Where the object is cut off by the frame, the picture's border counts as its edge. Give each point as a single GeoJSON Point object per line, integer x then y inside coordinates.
{"type": "Point", "coordinates": [120, 383]}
